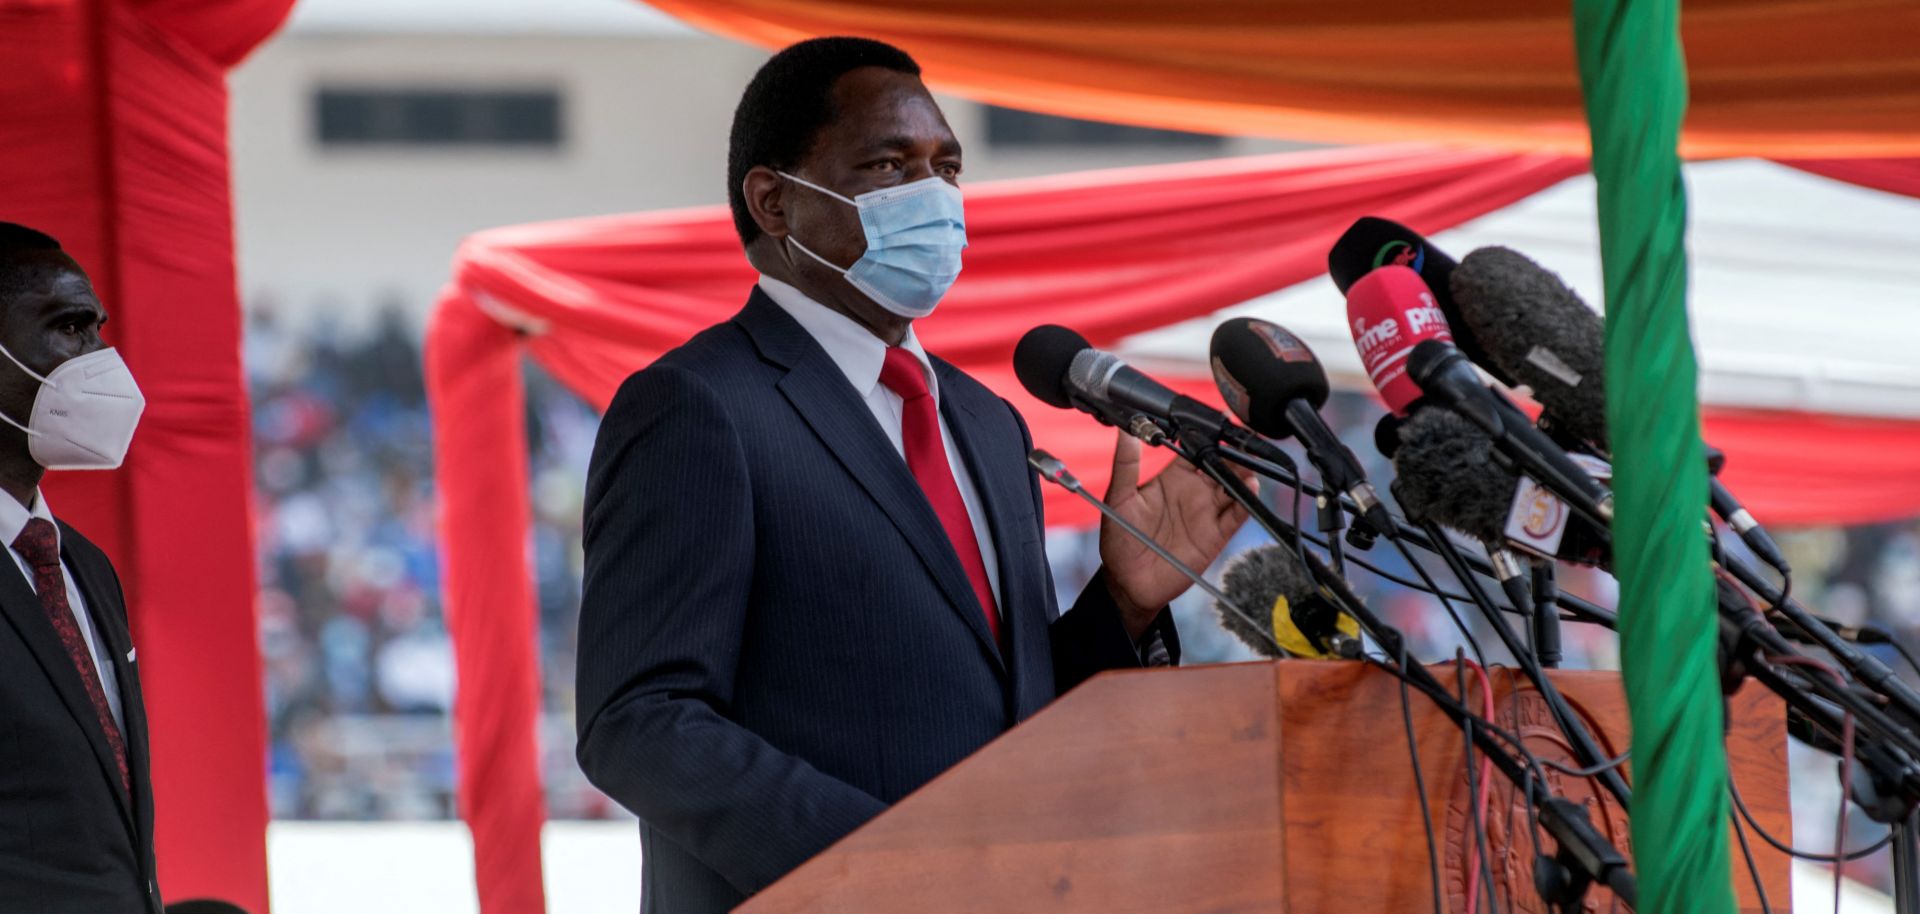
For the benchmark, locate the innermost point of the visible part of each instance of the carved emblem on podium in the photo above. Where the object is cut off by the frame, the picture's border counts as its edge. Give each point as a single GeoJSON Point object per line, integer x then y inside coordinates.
{"type": "Point", "coordinates": [1509, 836]}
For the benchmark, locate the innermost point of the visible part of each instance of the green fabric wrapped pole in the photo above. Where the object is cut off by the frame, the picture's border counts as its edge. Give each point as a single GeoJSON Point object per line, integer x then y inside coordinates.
{"type": "Point", "coordinates": [1634, 78]}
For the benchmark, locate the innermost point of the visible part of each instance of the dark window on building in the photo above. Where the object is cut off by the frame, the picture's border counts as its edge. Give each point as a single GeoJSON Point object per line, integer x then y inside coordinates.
{"type": "Point", "coordinates": [527, 118]}
{"type": "Point", "coordinates": [1013, 127]}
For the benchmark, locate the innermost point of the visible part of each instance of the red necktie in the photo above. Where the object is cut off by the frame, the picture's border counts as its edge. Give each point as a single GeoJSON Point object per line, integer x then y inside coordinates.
{"type": "Point", "coordinates": [39, 545]}
{"type": "Point", "coordinates": [927, 458]}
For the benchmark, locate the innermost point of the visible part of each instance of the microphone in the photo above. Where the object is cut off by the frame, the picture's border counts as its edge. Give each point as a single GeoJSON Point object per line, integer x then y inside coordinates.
{"type": "Point", "coordinates": [1441, 370]}
{"type": "Point", "coordinates": [1538, 330]}
{"type": "Point", "coordinates": [1054, 470]}
{"type": "Point", "coordinates": [1058, 367]}
{"type": "Point", "coordinates": [1302, 620]}
{"type": "Point", "coordinates": [1389, 311]}
{"type": "Point", "coordinates": [1273, 383]}
{"type": "Point", "coordinates": [1039, 362]}
{"type": "Point", "coordinates": [1406, 345]}
{"type": "Point", "coordinates": [1447, 470]}
{"type": "Point", "coordinates": [1372, 243]}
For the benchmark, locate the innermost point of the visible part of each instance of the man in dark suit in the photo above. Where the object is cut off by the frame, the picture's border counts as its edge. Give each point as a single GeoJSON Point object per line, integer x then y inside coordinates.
{"type": "Point", "coordinates": [76, 810]}
{"type": "Point", "coordinates": [815, 573]}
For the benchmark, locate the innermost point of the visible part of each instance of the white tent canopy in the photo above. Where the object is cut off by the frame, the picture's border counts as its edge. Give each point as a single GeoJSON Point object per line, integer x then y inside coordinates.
{"type": "Point", "coordinates": [1805, 292]}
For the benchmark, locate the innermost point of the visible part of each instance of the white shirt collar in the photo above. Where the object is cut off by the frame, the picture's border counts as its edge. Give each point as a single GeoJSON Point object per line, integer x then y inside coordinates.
{"type": "Point", "coordinates": [854, 348]}
{"type": "Point", "coordinates": [14, 517]}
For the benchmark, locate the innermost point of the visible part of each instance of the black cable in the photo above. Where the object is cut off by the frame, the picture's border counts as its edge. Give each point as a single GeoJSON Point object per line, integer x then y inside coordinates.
{"type": "Point", "coordinates": [1585, 747]}
{"type": "Point", "coordinates": [1473, 788]}
{"type": "Point", "coordinates": [1420, 784]}
{"type": "Point", "coordinates": [1533, 816]}
{"type": "Point", "coordinates": [1520, 766]}
{"type": "Point", "coordinates": [1513, 837]}
{"type": "Point", "coordinates": [1740, 804]}
{"type": "Point", "coordinates": [1905, 654]}
{"type": "Point", "coordinates": [1753, 869]}
{"type": "Point", "coordinates": [1299, 538]}
{"type": "Point", "coordinates": [1434, 588]}
{"type": "Point", "coordinates": [1607, 765]}
{"type": "Point", "coordinates": [1740, 832]}
{"type": "Point", "coordinates": [1431, 687]}
{"type": "Point", "coordinates": [1579, 610]}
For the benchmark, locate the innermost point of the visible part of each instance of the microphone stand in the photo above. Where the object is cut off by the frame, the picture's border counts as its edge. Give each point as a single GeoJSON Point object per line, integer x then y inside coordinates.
{"type": "Point", "coordinates": [1585, 857]}
{"type": "Point", "coordinates": [1546, 618]}
{"type": "Point", "coordinates": [1330, 522]}
{"type": "Point", "coordinates": [1582, 610]}
{"type": "Point", "coordinates": [1886, 749]}
{"type": "Point", "coordinates": [1207, 456]}
{"type": "Point", "coordinates": [1585, 747]}
{"type": "Point", "coordinates": [1053, 470]}
{"type": "Point", "coordinates": [1891, 791]}
{"type": "Point", "coordinates": [1866, 668]}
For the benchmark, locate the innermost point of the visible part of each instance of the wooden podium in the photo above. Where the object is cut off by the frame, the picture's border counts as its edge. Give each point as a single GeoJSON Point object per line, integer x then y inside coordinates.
{"type": "Point", "coordinates": [1282, 786]}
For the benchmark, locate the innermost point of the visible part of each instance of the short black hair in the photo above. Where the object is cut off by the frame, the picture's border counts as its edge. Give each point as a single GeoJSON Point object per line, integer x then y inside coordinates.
{"type": "Point", "coordinates": [788, 102]}
{"type": "Point", "coordinates": [20, 246]}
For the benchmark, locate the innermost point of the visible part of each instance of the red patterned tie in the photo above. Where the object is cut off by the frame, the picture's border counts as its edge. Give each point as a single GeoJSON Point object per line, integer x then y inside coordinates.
{"type": "Point", "coordinates": [927, 458]}
{"type": "Point", "coordinates": [39, 544]}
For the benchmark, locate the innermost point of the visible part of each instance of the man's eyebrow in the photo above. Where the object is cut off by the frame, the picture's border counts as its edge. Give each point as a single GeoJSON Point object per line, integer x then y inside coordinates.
{"type": "Point", "coordinates": [948, 147]}
{"type": "Point", "coordinates": [73, 310]}
{"type": "Point", "coordinates": [888, 144]}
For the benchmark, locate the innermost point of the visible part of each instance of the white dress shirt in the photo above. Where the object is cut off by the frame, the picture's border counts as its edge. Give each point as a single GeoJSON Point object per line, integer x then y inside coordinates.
{"type": "Point", "coordinates": [860, 356]}
{"type": "Point", "coordinates": [13, 519]}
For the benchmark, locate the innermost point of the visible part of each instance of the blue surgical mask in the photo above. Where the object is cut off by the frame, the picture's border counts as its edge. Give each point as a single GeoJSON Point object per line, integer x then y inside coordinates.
{"type": "Point", "coordinates": [915, 233]}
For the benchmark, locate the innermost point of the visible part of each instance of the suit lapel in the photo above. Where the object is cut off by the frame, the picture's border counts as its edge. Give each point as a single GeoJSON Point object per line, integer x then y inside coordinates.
{"type": "Point", "coordinates": [109, 618]}
{"type": "Point", "coordinates": [819, 392]}
{"type": "Point", "coordinates": [22, 608]}
{"type": "Point", "coordinates": [1001, 488]}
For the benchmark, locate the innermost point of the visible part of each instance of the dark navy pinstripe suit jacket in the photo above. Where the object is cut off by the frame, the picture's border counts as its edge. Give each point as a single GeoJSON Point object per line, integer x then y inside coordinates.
{"type": "Point", "coordinates": [776, 638]}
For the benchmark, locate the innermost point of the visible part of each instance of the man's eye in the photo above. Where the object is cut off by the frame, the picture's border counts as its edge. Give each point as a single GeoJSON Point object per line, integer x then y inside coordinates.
{"type": "Point", "coordinates": [886, 165]}
{"type": "Point", "coordinates": [950, 170]}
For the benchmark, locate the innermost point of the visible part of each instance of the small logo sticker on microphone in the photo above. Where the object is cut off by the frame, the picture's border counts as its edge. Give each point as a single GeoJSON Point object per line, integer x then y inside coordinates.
{"type": "Point", "coordinates": [1401, 254]}
{"type": "Point", "coordinates": [1230, 389]}
{"type": "Point", "coordinates": [1550, 362]}
{"type": "Point", "coordinates": [1538, 520]}
{"type": "Point", "coordinates": [1285, 346]}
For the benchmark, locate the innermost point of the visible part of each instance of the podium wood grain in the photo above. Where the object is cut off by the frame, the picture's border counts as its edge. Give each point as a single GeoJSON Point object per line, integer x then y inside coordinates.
{"type": "Point", "coordinates": [1270, 787]}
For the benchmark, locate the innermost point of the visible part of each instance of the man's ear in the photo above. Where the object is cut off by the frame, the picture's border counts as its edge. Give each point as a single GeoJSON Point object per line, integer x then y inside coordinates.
{"type": "Point", "coordinates": [763, 190]}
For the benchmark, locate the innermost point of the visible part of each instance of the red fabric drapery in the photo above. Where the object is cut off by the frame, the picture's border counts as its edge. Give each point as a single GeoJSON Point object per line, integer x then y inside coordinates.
{"type": "Point", "coordinates": [1895, 176]}
{"type": "Point", "coordinates": [1108, 253]}
{"type": "Point", "coordinates": [1799, 469]}
{"type": "Point", "coordinates": [113, 137]}
{"type": "Point", "coordinates": [1769, 77]}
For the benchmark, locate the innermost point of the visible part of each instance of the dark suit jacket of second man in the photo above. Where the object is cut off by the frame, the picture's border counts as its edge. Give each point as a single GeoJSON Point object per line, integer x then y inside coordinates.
{"type": "Point", "coordinates": [72, 841]}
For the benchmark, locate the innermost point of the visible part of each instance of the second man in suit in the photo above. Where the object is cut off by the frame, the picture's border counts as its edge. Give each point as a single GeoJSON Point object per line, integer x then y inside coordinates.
{"type": "Point", "coordinates": [76, 805]}
{"type": "Point", "coordinates": [815, 574]}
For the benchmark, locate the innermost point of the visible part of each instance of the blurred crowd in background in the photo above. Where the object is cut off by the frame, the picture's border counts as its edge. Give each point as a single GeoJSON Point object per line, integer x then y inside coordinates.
{"type": "Point", "coordinates": [359, 668]}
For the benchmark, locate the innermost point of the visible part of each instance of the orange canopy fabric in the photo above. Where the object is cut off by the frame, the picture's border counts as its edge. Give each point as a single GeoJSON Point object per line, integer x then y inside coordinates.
{"type": "Point", "coordinates": [1772, 78]}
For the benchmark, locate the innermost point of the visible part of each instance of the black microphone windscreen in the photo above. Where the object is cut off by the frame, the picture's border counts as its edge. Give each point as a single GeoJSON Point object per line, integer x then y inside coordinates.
{"type": "Point", "coordinates": [1372, 242]}
{"type": "Point", "coordinates": [1386, 434]}
{"type": "Point", "coordinates": [1444, 471]}
{"type": "Point", "coordinates": [1539, 333]}
{"type": "Point", "coordinates": [1260, 367]}
{"type": "Point", "coordinates": [1255, 580]}
{"type": "Point", "coordinates": [1041, 361]}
